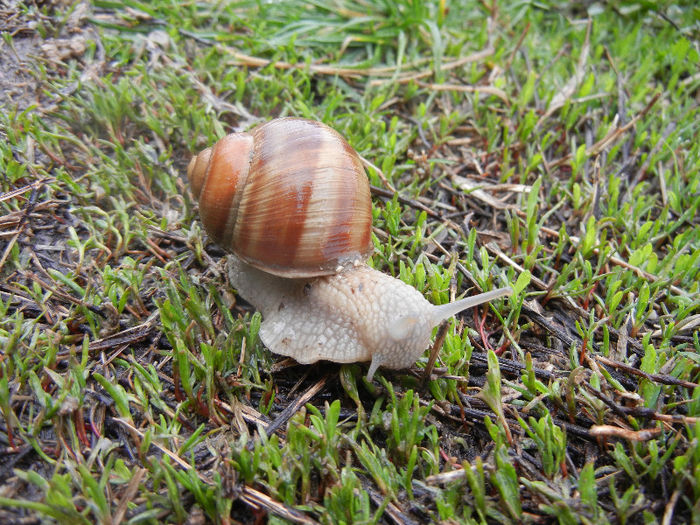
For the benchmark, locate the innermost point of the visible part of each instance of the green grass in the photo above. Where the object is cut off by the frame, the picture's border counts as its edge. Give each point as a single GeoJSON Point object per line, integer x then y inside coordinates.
{"type": "Point", "coordinates": [555, 149]}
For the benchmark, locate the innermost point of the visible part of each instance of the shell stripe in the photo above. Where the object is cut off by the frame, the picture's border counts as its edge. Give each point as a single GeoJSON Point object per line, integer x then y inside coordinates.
{"type": "Point", "coordinates": [275, 204]}
{"type": "Point", "coordinates": [226, 173]}
{"type": "Point", "coordinates": [294, 216]}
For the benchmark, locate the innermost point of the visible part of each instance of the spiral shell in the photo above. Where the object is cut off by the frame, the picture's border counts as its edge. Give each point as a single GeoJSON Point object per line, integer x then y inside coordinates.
{"type": "Point", "coordinates": [290, 197]}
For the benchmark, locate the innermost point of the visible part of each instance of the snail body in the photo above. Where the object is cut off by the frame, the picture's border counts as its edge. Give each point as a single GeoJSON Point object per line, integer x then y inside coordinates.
{"type": "Point", "coordinates": [356, 315]}
{"type": "Point", "coordinates": [307, 276]}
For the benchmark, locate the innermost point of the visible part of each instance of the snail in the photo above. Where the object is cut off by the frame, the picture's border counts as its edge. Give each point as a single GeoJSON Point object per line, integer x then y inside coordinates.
{"type": "Point", "coordinates": [291, 201]}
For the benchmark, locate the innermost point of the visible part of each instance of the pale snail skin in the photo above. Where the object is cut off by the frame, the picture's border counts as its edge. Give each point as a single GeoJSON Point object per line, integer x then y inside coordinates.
{"type": "Point", "coordinates": [347, 312]}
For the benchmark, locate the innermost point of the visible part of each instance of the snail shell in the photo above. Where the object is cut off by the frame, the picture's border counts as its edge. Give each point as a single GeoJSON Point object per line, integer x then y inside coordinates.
{"type": "Point", "coordinates": [290, 197]}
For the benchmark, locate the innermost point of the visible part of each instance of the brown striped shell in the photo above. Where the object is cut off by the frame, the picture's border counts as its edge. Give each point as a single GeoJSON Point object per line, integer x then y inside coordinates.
{"type": "Point", "coordinates": [290, 197]}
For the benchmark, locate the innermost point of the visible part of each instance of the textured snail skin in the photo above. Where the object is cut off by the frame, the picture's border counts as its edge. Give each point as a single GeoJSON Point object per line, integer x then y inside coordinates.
{"type": "Point", "coordinates": [290, 197]}
{"type": "Point", "coordinates": [357, 315]}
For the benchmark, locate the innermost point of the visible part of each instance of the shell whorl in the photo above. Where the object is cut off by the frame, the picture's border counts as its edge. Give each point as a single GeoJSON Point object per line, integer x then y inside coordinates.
{"type": "Point", "coordinates": [290, 197]}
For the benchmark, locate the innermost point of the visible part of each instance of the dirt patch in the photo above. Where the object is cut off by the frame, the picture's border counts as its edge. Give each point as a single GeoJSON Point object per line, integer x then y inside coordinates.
{"type": "Point", "coordinates": [19, 88]}
{"type": "Point", "coordinates": [20, 84]}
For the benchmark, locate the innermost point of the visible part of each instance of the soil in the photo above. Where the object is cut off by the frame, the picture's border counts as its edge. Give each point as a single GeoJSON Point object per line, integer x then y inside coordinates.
{"type": "Point", "coordinates": [18, 85]}
{"type": "Point", "coordinates": [26, 48]}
